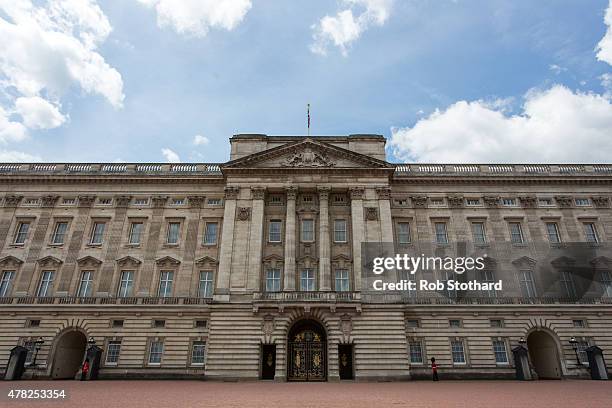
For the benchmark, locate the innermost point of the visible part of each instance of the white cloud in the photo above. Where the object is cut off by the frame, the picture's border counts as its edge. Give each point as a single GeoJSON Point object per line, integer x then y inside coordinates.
{"type": "Point", "coordinates": [10, 131]}
{"type": "Point", "coordinates": [37, 113]}
{"type": "Point", "coordinates": [170, 155]}
{"type": "Point", "coordinates": [345, 27]}
{"type": "Point", "coordinates": [200, 140]}
{"type": "Point", "coordinates": [557, 69]}
{"type": "Point", "coordinates": [196, 17]}
{"type": "Point", "coordinates": [604, 47]}
{"type": "Point", "coordinates": [20, 157]}
{"type": "Point", "coordinates": [555, 125]}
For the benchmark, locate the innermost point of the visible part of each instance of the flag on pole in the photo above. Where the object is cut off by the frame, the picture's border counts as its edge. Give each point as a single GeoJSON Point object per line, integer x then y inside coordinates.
{"type": "Point", "coordinates": [308, 119]}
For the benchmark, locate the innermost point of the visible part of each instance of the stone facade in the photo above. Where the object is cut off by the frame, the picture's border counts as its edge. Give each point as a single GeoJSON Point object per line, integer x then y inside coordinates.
{"type": "Point", "coordinates": [199, 270]}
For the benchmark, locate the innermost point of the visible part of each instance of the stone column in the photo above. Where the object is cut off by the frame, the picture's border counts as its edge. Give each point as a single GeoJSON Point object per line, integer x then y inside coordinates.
{"type": "Point", "coordinates": [255, 238]}
{"type": "Point", "coordinates": [324, 248]}
{"type": "Point", "coordinates": [227, 244]}
{"type": "Point", "coordinates": [384, 208]}
{"type": "Point", "coordinates": [289, 263]}
{"type": "Point", "coordinates": [358, 234]}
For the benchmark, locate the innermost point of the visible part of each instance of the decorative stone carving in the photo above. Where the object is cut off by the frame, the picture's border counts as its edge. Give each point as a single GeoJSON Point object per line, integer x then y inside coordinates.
{"type": "Point", "coordinates": [49, 261]}
{"type": "Point", "coordinates": [231, 193]}
{"type": "Point", "coordinates": [88, 261]}
{"type": "Point", "coordinates": [10, 261]}
{"type": "Point", "coordinates": [371, 213]}
{"type": "Point", "coordinates": [159, 201]}
{"type": "Point", "coordinates": [167, 261]}
{"type": "Point", "coordinates": [244, 213]}
{"type": "Point", "coordinates": [123, 201]}
{"type": "Point", "coordinates": [48, 201]}
{"type": "Point", "coordinates": [291, 192]}
{"type": "Point", "coordinates": [357, 193]}
{"type": "Point", "coordinates": [128, 261]}
{"type": "Point", "coordinates": [308, 158]}
{"type": "Point", "coordinates": [86, 201]}
{"type": "Point", "coordinates": [455, 201]}
{"type": "Point", "coordinates": [528, 201]}
{"type": "Point", "coordinates": [419, 201]}
{"type": "Point", "coordinates": [206, 261]}
{"type": "Point", "coordinates": [196, 201]}
{"type": "Point", "coordinates": [268, 325]}
{"type": "Point", "coordinates": [601, 201]}
{"type": "Point", "coordinates": [491, 201]}
{"type": "Point", "coordinates": [259, 193]}
{"type": "Point", "coordinates": [384, 193]}
{"type": "Point", "coordinates": [323, 193]}
{"type": "Point", "coordinates": [564, 201]}
{"type": "Point", "coordinates": [12, 200]}
{"type": "Point", "coordinates": [346, 325]}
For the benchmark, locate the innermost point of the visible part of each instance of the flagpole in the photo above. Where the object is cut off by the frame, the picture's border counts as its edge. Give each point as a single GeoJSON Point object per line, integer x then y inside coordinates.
{"type": "Point", "coordinates": [308, 120]}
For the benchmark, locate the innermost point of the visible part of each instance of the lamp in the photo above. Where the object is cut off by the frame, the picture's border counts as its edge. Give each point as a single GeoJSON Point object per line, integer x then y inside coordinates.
{"type": "Point", "coordinates": [574, 344]}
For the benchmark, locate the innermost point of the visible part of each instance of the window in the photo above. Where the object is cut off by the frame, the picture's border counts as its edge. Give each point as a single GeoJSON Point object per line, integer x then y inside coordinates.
{"type": "Point", "coordinates": [276, 199]}
{"type": "Point", "coordinates": [86, 284]}
{"type": "Point", "coordinates": [412, 323]}
{"type": "Point", "coordinates": [273, 280]}
{"type": "Point", "coordinates": [113, 351]}
{"type": "Point", "coordinates": [568, 287]}
{"type": "Point", "coordinates": [156, 350]}
{"type": "Point", "coordinates": [339, 199]}
{"type": "Point", "coordinates": [59, 233]}
{"type": "Point", "coordinates": [173, 233]}
{"type": "Point", "coordinates": [454, 323]}
{"type": "Point", "coordinates": [307, 230]}
{"type": "Point", "coordinates": [447, 276]}
{"type": "Point", "coordinates": [33, 323]}
{"type": "Point", "coordinates": [552, 229]}
{"type": "Point", "coordinates": [441, 235]}
{"type": "Point", "coordinates": [509, 202]}
{"type": "Point", "coordinates": [340, 231]}
{"type": "Point", "coordinates": [590, 232]}
{"type": "Point", "coordinates": [582, 354]}
{"type": "Point", "coordinates": [105, 201]}
{"type": "Point", "coordinates": [472, 202]}
{"type": "Point", "coordinates": [487, 276]}
{"type": "Point", "coordinates": [141, 201]}
{"type": "Point", "coordinates": [478, 233]}
{"type": "Point", "coordinates": [457, 352]}
{"type": "Point", "coordinates": [582, 202]}
{"type": "Point", "coordinates": [117, 323]}
{"type": "Point", "coordinates": [497, 323]}
{"type": "Point", "coordinates": [579, 323]}
{"type": "Point", "coordinates": [69, 201]}
{"type": "Point", "coordinates": [526, 283]}
{"type": "Point", "coordinates": [97, 233]}
{"type": "Point", "coordinates": [411, 277]}
{"type": "Point", "coordinates": [205, 288]}
{"type": "Point", "coordinates": [342, 280]}
{"type": "Point", "coordinates": [178, 201]}
{"type": "Point", "coordinates": [274, 231]}
{"type": "Point", "coordinates": [30, 345]}
{"type": "Point", "coordinates": [210, 233]}
{"type": "Point", "coordinates": [307, 199]}
{"type": "Point", "coordinates": [545, 202]}
{"type": "Point", "coordinates": [403, 232]}
{"type": "Point", "coordinates": [165, 283]}
{"type": "Point", "coordinates": [46, 284]}
{"type": "Point", "coordinates": [125, 284]}
{"type": "Point", "coordinates": [606, 283]}
{"type": "Point", "coordinates": [198, 352]}
{"type": "Point", "coordinates": [416, 352]}
{"type": "Point", "coordinates": [436, 202]}
{"type": "Point", "coordinates": [22, 232]}
{"type": "Point", "coordinates": [499, 349]}
{"type": "Point", "coordinates": [516, 233]}
{"type": "Point", "coordinates": [136, 233]}
{"type": "Point", "coordinates": [6, 282]}
{"type": "Point", "coordinates": [307, 280]}
{"type": "Point", "coordinates": [214, 201]}
{"type": "Point", "coordinates": [200, 324]}
{"type": "Point", "coordinates": [402, 202]}
{"type": "Point", "coordinates": [31, 201]}
{"type": "Point", "coordinates": [159, 324]}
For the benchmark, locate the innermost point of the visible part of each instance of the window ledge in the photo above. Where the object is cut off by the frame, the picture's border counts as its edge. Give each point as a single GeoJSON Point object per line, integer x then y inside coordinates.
{"type": "Point", "coordinates": [166, 245]}
{"type": "Point", "coordinates": [17, 245]}
{"type": "Point", "coordinates": [55, 245]}
{"type": "Point", "coordinates": [132, 245]}
{"type": "Point", "coordinates": [90, 245]}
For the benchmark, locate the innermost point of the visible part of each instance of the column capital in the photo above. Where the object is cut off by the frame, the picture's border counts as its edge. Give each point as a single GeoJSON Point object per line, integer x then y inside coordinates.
{"type": "Point", "coordinates": [357, 193]}
{"type": "Point", "coordinates": [384, 193]}
{"type": "Point", "coordinates": [323, 192]}
{"type": "Point", "coordinates": [196, 201]}
{"type": "Point", "coordinates": [258, 193]}
{"type": "Point", "coordinates": [291, 192]}
{"type": "Point", "coordinates": [231, 192]}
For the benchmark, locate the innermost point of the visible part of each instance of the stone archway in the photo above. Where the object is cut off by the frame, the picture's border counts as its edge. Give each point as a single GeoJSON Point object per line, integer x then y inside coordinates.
{"type": "Point", "coordinates": [307, 351]}
{"type": "Point", "coordinates": [68, 355]}
{"type": "Point", "coordinates": [544, 355]}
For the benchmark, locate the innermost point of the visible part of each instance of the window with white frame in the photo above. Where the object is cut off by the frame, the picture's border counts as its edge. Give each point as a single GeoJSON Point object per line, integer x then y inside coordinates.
{"type": "Point", "coordinates": [6, 283]}
{"type": "Point", "coordinates": [69, 201]}
{"type": "Point", "coordinates": [472, 202]}
{"type": "Point", "coordinates": [448, 275]}
{"type": "Point", "coordinates": [105, 201]}
{"type": "Point", "coordinates": [210, 233]}
{"type": "Point", "coordinates": [457, 352]}
{"type": "Point", "coordinates": [527, 284]}
{"type": "Point", "coordinates": [85, 284]}
{"type": "Point", "coordinates": [606, 283]}
{"type": "Point", "coordinates": [177, 201]}
{"type": "Point", "coordinates": [509, 202]}
{"type": "Point", "coordinates": [436, 202]}
{"type": "Point", "coordinates": [214, 201]}
{"type": "Point", "coordinates": [582, 354]}
{"type": "Point", "coordinates": [307, 230]}
{"type": "Point", "coordinates": [441, 233]}
{"type": "Point", "coordinates": [582, 202]}
{"type": "Point", "coordinates": [340, 231]}
{"type": "Point", "coordinates": [516, 233]}
{"type": "Point", "coordinates": [59, 233]}
{"type": "Point", "coordinates": [156, 351]}
{"type": "Point", "coordinates": [488, 276]}
{"type": "Point", "coordinates": [205, 288]}
{"type": "Point", "coordinates": [165, 283]}
{"type": "Point", "coordinates": [590, 232]}
{"type": "Point", "coordinates": [30, 345]}
{"type": "Point", "coordinates": [552, 230]}
{"type": "Point", "coordinates": [45, 285]}
{"type": "Point", "coordinates": [403, 232]}
{"type": "Point", "coordinates": [141, 201]}
{"type": "Point", "coordinates": [174, 229]}
{"type": "Point", "coordinates": [500, 352]}
{"type": "Point", "coordinates": [113, 350]}
{"type": "Point", "coordinates": [273, 280]}
{"type": "Point", "coordinates": [342, 280]}
{"type": "Point", "coordinates": [136, 229]}
{"type": "Point", "coordinates": [97, 233]}
{"type": "Point", "coordinates": [568, 286]}
{"type": "Point", "coordinates": [198, 353]}
{"type": "Point", "coordinates": [274, 231]}
{"type": "Point", "coordinates": [545, 202]}
{"type": "Point", "coordinates": [126, 284]}
{"type": "Point", "coordinates": [21, 234]}
{"type": "Point", "coordinates": [478, 233]}
{"type": "Point", "coordinates": [411, 277]}
{"type": "Point", "coordinates": [416, 351]}
{"type": "Point", "coordinates": [307, 280]}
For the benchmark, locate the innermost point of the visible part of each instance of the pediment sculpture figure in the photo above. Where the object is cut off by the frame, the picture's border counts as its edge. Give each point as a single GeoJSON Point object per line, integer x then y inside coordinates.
{"type": "Point", "coordinates": [308, 158]}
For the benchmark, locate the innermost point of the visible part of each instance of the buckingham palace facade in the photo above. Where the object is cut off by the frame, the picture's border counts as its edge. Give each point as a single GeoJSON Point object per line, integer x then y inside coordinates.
{"type": "Point", "coordinates": [253, 268]}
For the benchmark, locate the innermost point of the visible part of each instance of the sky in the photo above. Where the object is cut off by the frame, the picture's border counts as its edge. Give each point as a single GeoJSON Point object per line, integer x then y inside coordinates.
{"type": "Point", "coordinates": [455, 81]}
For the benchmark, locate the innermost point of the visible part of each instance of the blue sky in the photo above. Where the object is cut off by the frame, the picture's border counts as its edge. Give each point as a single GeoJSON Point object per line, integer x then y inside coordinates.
{"type": "Point", "coordinates": [443, 80]}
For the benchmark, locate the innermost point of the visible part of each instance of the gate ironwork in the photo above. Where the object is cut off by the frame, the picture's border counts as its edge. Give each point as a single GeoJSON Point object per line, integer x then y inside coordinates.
{"type": "Point", "coordinates": [307, 357]}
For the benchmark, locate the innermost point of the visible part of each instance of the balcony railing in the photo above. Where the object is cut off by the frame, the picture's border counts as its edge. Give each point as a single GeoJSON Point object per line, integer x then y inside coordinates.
{"type": "Point", "coordinates": [306, 296]}
{"type": "Point", "coordinates": [441, 300]}
{"type": "Point", "coordinates": [74, 300]}
{"type": "Point", "coordinates": [421, 169]}
{"type": "Point", "coordinates": [111, 169]}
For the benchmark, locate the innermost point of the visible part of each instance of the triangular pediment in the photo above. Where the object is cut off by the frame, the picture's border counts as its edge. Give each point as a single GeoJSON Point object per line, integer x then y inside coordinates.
{"type": "Point", "coordinates": [88, 261]}
{"type": "Point", "coordinates": [206, 260]}
{"type": "Point", "coordinates": [49, 261]}
{"type": "Point", "coordinates": [524, 262]}
{"type": "Point", "coordinates": [10, 261]}
{"type": "Point", "coordinates": [307, 154]}
{"type": "Point", "coordinates": [167, 261]}
{"type": "Point", "coordinates": [128, 260]}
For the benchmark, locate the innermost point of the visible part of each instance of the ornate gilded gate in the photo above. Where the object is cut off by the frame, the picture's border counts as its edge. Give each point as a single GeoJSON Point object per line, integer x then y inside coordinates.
{"type": "Point", "coordinates": [307, 354]}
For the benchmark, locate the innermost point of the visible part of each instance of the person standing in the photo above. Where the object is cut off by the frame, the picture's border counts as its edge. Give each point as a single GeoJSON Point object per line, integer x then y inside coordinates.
{"type": "Point", "coordinates": [85, 370]}
{"type": "Point", "coordinates": [434, 369]}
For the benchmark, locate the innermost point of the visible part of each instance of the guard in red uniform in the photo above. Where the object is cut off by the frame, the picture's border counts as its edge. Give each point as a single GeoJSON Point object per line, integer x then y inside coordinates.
{"type": "Point", "coordinates": [434, 369]}
{"type": "Point", "coordinates": [85, 370]}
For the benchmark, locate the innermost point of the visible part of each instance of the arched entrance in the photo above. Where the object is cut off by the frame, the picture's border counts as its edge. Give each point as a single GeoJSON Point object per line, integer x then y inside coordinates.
{"type": "Point", "coordinates": [68, 355]}
{"type": "Point", "coordinates": [307, 352]}
{"type": "Point", "coordinates": [544, 355]}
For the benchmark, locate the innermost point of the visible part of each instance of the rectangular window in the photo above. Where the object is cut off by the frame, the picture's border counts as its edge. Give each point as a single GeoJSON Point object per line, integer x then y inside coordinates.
{"type": "Point", "coordinates": [545, 202]}
{"type": "Point", "coordinates": [46, 284]}
{"type": "Point", "coordinates": [307, 280]}
{"type": "Point", "coordinates": [527, 284]}
{"type": "Point", "coordinates": [156, 350]}
{"type": "Point", "coordinates": [403, 232]}
{"type": "Point", "coordinates": [412, 323]}
{"type": "Point", "coordinates": [441, 235]}
{"type": "Point", "coordinates": [457, 352]}
{"type": "Point", "coordinates": [86, 284]}
{"type": "Point", "coordinates": [454, 323]}
{"type": "Point", "coordinates": [105, 201]}
{"type": "Point", "coordinates": [198, 353]}
{"type": "Point", "coordinates": [582, 354]}
{"type": "Point", "coordinates": [307, 230]}
{"type": "Point", "coordinates": [579, 323]}
{"type": "Point", "coordinates": [126, 284]}
{"type": "Point", "coordinates": [178, 201]}
{"type": "Point", "coordinates": [30, 346]}
{"type": "Point", "coordinates": [499, 349]}
{"type": "Point", "coordinates": [552, 229]}
{"type": "Point", "coordinates": [340, 231]}
{"type": "Point", "coordinates": [478, 233]}
{"type": "Point", "coordinates": [416, 352]}
{"type": "Point", "coordinates": [411, 277]}
{"type": "Point", "coordinates": [69, 201]}
{"type": "Point", "coordinates": [97, 233]}
{"type": "Point", "coordinates": [22, 232]}
{"type": "Point", "coordinates": [509, 202]}
{"type": "Point", "coordinates": [516, 233]}
{"type": "Point", "coordinates": [173, 233]}
{"type": "Point", "coordinates": [205, 288]}
{"type": "Point", "coordinates": [6, 282]}
{"type": "Point", "coordinates": [214, 201]}
{"type": "Point", "coordinates": [59, 233]}
{"type": "Point", "coordinates": [165, 283]}
{"type": "Point", "coordinates": [590, 232]}
{"type": "Point", "coordinates": [568, 287]}
{"type": "Point", "coordinates": [210, 233]}
{"type": "Point", "coordinates": [472, 202]}
{"type": "Point", "coordinates": [342, 280]}
{"type": "Point", "coordinates": [141, 201]}
{"type": "Point", "coordinates": [497, 323]}
{"type": "Point", "coordinates": [583, 202]}
{"type": "Point", "coordinates": [606, 283]}
{"type": "Point", "coordinates": [487, 276]}
{"type": "Point", "coordinates": [436, 202]}
{"type": "Point", "coordinates": [274, 231]}
{"type": "Point", "coordinates": [136, 233]}
{"type": "Point", "coordinates": [273, 280]}
{"type": "Point", "coordinates": [447, 276]}
{"type": "Point", "coordinates": [113, 351]}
